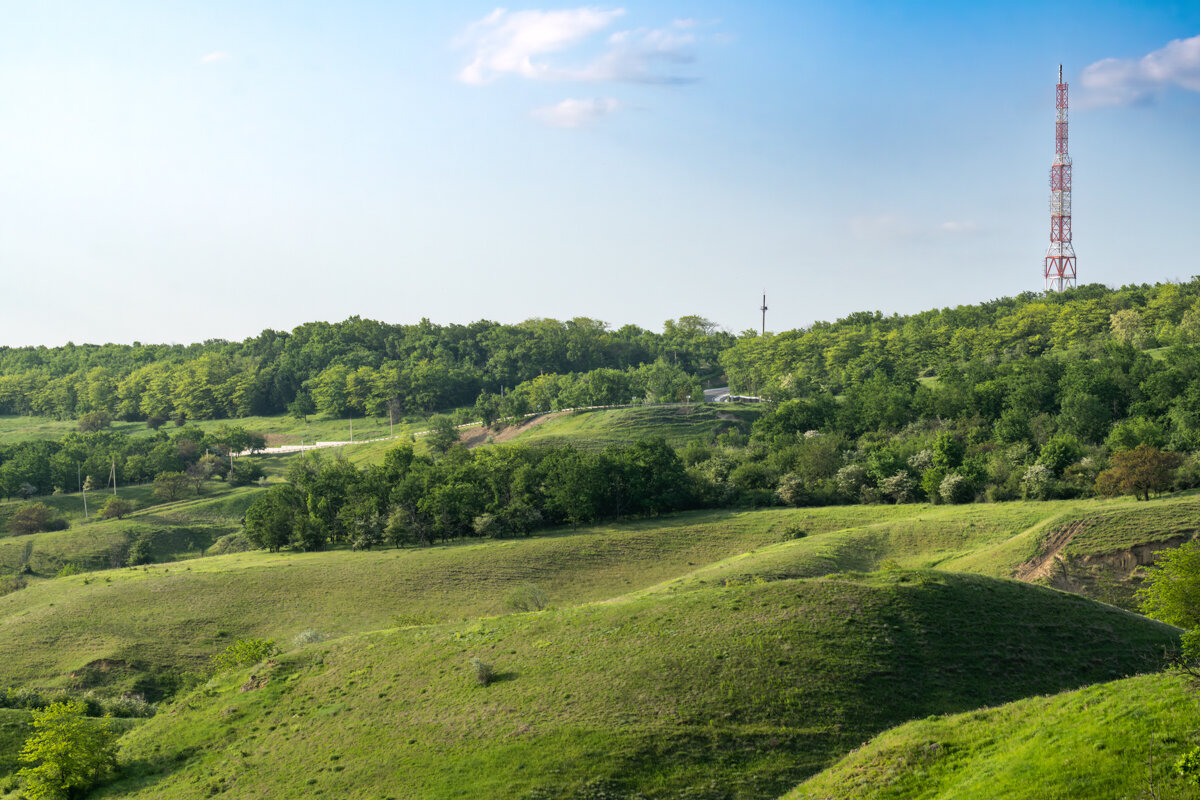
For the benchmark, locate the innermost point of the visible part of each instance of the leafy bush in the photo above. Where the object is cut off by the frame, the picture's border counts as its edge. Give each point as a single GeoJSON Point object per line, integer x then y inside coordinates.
{"type": "Point", "coordinates": [244, 653]}
{"type": "Point", "coordinates": [792, 532]}
{"type": "Point", "coordinates": [956, 489]}
{"type": "Point", "coordinates": [67, 752]}
{"type": "Point", "coordinates": [526, 597]}
{"type": "Point", "coordinates": [95, 421]}
{"type": "Point", "coordinates": [12, 584]}
{"type": "Point", "coordinates": [245, 472]}
{"type": "Point", "coordinates": [140, 553]}
{"type": "Point", "coordinates": [484, 673]}
{"type": "Point", "coordinates": [231, 543]}
{"type": "Point", "coordinates": [116, 508]}
{"type": "Point", "coordinates": [308, 636]}
{"type": "Point", "coordinates": [67, 570]}
{"type": "Point", "coordinates": [36, 517]}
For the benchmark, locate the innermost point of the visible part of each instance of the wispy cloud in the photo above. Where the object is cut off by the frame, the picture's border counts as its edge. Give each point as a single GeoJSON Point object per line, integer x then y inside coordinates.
{"type": "Point", "coordinates": [522, 42]}
{"type": "Point", "coordinates": [958, 226]}
{"type": "Point", "coordinates": [212, 58]}
{"type": "Point", "coordinates": [510, 42]}
{"type": "Point", "coordinates": [1127, 81]}
{"type": "Point", "coordinates": [573, 113]}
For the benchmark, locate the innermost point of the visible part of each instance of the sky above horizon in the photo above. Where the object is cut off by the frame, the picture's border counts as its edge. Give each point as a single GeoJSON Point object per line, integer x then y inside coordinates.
{"type": "Point", "coordinates": [176, 172]}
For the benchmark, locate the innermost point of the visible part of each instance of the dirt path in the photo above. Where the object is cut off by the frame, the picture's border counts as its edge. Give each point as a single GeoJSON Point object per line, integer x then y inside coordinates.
{"type": "Point", "coordinates": [477, 436]}
{"type": "Point", "coordinates": [1042, 565]}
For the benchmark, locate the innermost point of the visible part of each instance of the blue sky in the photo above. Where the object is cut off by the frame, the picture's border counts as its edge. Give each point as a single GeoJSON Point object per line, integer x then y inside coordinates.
{"type": "Point", "coordinates": [179, 172]}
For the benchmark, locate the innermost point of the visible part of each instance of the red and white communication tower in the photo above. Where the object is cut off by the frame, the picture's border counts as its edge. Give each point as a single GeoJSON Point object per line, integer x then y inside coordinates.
{"type": "Point", "coordinates": [1060, 256]}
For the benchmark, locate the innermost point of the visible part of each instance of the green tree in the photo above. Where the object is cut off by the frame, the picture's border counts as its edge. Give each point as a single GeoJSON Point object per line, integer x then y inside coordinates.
{"type": "Point", "coordinates": [1138, 472]}
{"type": "Point", "coordinates": [170, 485]}
{"type": "Point", "coordinates": [442, 433]}
{"type": "Point", "coordinates": [1171, 591]}
{"type": "Point", "coordinates": [271, 519]}
{"type": "Point", "coordinates": [67, 752]}
{"type": "Point", "coordinates": [116, 508]}
{"type": "Point", "coordinates": [35, 517]}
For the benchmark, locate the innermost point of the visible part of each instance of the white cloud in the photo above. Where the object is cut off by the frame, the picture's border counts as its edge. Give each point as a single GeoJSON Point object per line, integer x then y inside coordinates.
{"type": "Point", "coordinates": [958, 226]}
{"type": "Point", "coordinates": [519, 42]}
{"type": "Point", "coordinates": [1123, 81]}
{"type": "Point", "coordinates": [573, 113]}
{"type": "Point", "coordinates": [219, 55]}
{"type": "Point", "coordinates": [635, 57]}
{"type": "Point", "coordinates": [510, 41]}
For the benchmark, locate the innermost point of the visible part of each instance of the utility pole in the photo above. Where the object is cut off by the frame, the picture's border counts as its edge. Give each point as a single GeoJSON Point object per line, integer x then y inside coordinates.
{"type": "Point", "coordinates": [764, 313]}
{"type": "Point", "coordinates": [82, 491]}
{"type": "Point", "coordinates": [112, 475]}
{"type": "Point", "coordinates": [352, 427]}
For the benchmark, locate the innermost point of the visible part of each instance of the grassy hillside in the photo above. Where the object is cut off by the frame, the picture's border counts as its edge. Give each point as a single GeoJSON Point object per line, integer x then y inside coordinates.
{"type": "Point", "coordinates": [677, 424]}
{"type": "Point", "coordinates": [179, 529]}
{"type": "Point", "coordinates": [718, 693]}
{"type": "Point", "coordinates": [172, 618]}
{"type": "Point", "coordinates": [279, 430]}
{"type": "Point", "coordinates": [1113, 740]}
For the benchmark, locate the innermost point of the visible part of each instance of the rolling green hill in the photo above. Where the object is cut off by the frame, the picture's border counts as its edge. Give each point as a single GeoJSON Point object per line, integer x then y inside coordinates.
{"type": "Point", "coordinates": [677, 424]}
{"type": "Point", "coordinates": [717, 693]}
{"type": "Point", "coordinates": [1117, 740]}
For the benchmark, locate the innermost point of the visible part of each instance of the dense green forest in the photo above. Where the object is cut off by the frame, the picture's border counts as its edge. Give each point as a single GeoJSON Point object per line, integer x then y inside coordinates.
{"type": "Point", "coordinates": [356, 366]}
{"type": "Point", "coordinates": [1040, 396]}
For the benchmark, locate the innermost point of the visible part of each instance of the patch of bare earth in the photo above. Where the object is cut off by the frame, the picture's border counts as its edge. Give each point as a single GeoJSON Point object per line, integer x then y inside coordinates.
{"type": "Point", "coordinates": [1043, 564]}
{"type": "Point", "coordinates": [475, 437]}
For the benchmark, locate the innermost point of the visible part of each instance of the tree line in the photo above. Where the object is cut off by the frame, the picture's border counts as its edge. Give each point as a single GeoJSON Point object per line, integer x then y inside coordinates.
{"type": "Point", "coordinates": [501, 491]}
{"type": "Point", "coordinates": [88, 459]}
{"type": "Point", "coordinates": [355, 366]}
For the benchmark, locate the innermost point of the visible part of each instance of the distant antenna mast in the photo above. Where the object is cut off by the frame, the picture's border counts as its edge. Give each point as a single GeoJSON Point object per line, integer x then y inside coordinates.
{"type": "Point", "coordinates": [1060, 256]}
{"type": "Point", "coordinates": [764, 313]}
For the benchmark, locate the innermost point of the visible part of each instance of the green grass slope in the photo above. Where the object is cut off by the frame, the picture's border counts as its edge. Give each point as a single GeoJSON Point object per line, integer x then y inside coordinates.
{"type": "Point", "coordinates": [717, 693]}
{"type": "Point", "coordinates": [1113, 740]}
{"type": "Point", "coordinates": [173, 617]}
{"type": "Point", "coordinates": [677, 424]}
{"type": "Point", "coordinates": [179, 529]}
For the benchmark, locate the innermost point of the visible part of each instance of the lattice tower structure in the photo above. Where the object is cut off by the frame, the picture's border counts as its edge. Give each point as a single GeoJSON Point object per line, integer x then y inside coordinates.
{"type": "Point", "coordinates": [1060, 255]}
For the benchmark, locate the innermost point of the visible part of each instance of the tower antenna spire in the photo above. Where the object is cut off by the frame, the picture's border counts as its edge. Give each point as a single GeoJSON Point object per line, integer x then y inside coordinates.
{"type": "Point", "coordinates": [1059, 266]}
{"type": "Point", "coordinates": [764, 313]}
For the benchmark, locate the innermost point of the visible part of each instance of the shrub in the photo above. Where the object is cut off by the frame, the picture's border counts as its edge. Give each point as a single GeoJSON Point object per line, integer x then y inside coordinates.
{"type": "Point", "coordinates": [94, 421]}
{"type": "Point", "coordinates": [245, 472]}
{"type": "Point", "coordinates": [35, 517]}
{"type": "Point", "coordinates": [230, 543]}
{"type": "Point", "coordinates": [793, 491]}
{"type": "Point", "coordinates": [308, 636]}
{"type": "Point", "coordinates": [488, 526]}
{"type": "Point", "coordinates": [898, 488]}
{"type": "Point", "coordinates": [67, 570]}
{"type": "Point", "coordinates": [116, 508]}
{"type": "Point", "coordinates": [956, 489]}
{"type": "Point", "coordinates": [792, 532]}
{"type": "Point", "coordinates": [526, 597]}
{"type": "Point", "coordinates": [244, 653]}
{"type": "Point", "coordinates": [484, 673]}
{"type": "Point", "coordinates": [140, 553]}
{"type": "Point", "coordinates": [13, 584]}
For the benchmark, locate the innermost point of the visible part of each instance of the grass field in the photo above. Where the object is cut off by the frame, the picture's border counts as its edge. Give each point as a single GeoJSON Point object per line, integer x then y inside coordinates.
{"type": "Point", "coordinates": [679, 425]}
{"type": "Point", "coordinates": [279, 430]}
{"type": "Point", "coordinates": [1117, 739]}
{"type": "Point", "coordinates": [179, 529]}
{"type": "Point", "coordinates": [174, 617]}
{"type": "Point", "coordinates": [718, 693]}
